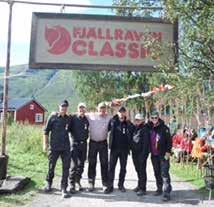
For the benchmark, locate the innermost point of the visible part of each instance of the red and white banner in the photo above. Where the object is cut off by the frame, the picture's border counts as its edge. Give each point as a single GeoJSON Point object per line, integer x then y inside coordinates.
{"type": "Point", "coordinates": [154, 91]}
{"type": "Point", "coordinates": [99, 42]}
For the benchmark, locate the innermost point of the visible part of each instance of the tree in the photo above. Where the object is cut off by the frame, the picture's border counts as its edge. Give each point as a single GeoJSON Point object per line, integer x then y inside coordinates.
{"type": "Point", "coordinates": [196, 48]}
{"type": "Point", "coordinates": [193, 94]}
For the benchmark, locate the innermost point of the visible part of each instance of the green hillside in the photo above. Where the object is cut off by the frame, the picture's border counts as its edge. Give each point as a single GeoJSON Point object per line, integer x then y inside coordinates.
{"type": "Point", "coordinates": [49, 87]}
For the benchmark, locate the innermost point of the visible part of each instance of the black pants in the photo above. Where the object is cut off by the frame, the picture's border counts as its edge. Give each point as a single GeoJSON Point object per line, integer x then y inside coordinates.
{"type": "Point", "coordinates": [122, 155]}
{"type": "Point", "coordinates": [94, 149]}
{"type": "Point", "coordinates": [140, 162]}
{"type": "Point", "coordinates": [78, 157]}
{"type": "Point", "coordinates": [53, 157]}
{"type": "Point", "coordinates": [161, 171]}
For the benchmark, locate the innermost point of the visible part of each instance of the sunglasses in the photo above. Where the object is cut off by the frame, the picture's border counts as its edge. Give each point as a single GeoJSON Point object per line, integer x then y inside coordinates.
{"type": "Point", "coordinates": [154, 117]}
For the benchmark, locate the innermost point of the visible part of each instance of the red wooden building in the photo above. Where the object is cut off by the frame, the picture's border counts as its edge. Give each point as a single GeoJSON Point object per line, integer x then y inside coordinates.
{"type": "Point", "coordinates": [25, 110]}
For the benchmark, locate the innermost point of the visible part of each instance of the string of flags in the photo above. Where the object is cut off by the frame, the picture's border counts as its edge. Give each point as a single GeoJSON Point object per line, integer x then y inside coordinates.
{"type": "Point", "coordinates": [154, 91]}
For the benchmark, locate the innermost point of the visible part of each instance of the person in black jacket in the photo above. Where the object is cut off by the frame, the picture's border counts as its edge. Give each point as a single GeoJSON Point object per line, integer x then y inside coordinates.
{"type": "Point", "coordinates": [79, 136]}
{"type": "Point", "coordinates": [140, 151]}
{"type": "Point", "coordinates": [160, 147]}
{"type": "Point", "coordinates": [58, 127]}
{"type": "Point", "coordinates": [119, 144]}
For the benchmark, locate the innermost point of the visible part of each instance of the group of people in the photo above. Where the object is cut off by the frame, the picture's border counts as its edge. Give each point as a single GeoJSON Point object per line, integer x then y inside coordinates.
{"type": "Point", "coordinates": [69, 135]}
{"type": "Point", "coordinates": [189, 145]}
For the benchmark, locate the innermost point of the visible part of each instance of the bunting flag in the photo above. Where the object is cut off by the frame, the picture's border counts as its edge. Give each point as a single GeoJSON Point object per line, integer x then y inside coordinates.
{"type": "Point", "coordinates": [154, 91]}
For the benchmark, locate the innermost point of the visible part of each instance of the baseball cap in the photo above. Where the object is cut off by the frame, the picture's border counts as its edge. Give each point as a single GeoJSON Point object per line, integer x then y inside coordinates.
{"type": "Point", "coordinates": [102, 105]}
{"type": "Point", "coordinates": [139, 116]}
{"type": "Point", "coordinates": [81, 105]}
{"type": "Point", "coordinates": [122, 109]}
{"type": "Point", "coordinates": [64, 103]}
{"type": "Point", "coordinates": [154, 113]}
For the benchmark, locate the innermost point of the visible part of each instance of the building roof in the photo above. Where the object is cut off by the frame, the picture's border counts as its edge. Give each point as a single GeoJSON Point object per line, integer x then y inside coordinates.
{"type": "Point", "coordinates": [16, 104]}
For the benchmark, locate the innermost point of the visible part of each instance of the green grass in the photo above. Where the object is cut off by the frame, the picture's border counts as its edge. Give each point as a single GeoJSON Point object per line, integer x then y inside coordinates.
{"type": "Point", "coordinates": [26, 159]}
{"type": "Point", "coordinates": [189, 173]}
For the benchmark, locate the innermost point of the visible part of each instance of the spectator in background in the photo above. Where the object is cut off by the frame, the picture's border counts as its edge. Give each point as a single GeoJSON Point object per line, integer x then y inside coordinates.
{"type": "Point", "coordinates": [176, 143]}
{"type": "Point", "coordinates": [210, 143]}
{"type": "Point", "coordinates": [211, 134]}
{"type": "Point", "coordinates": [186, 145]}
{"type": "Point", "coordinates": [194, 135]}
{"type": "Point", "coordinates": [199, 147]}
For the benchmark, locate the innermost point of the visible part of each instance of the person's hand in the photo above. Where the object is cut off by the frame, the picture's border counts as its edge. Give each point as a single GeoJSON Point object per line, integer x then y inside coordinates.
{"type": "Point", "coordinates": [167, 156]}
{"type": "Point", "coordinates": [45, 148]}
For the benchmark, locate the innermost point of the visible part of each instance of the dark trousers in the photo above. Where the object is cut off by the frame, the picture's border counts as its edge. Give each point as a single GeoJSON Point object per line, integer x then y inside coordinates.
{"type": "Point", "coordinates": [94, 149]}
{"type": "Point", "coordinates": [78, 157]}
{"type": "Point", "coordinates": [53, 157]}
{"type": "Point", "coordinates": [140, 162]}
{"type": "Point", "coordinates": [122, 155]}
{"type": "Point", "coordinates": [161, 171]}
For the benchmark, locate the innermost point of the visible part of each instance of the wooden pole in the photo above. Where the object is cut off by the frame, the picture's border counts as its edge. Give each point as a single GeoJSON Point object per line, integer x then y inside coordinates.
{"type": "Point", "coordinates": [6, 85]}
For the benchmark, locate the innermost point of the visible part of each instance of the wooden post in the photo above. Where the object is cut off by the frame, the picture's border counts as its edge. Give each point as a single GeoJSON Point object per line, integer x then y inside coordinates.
{"type": "Point", "coordinates": [6, 74]}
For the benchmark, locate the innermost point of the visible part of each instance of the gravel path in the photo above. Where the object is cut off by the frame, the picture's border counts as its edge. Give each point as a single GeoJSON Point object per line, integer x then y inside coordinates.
{"type": "Point", "coordinates": [184, 194]}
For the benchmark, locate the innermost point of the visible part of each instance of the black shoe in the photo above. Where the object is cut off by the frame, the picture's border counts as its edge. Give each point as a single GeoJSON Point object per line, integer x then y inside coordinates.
{"type": "Point", "coordinates": [141, 193]}
{"type": "Point", "coordinates": [105, 188]}
{"type": "Point", "coordinates": [105, 184]}
{"type": "Point", "coordinates": [47, 187]}
{"type": "Point", "coordinates": [73, 190]}
{"type": "Point", "coordinates": [158, 192]}
{"type": "Point", "coordinates": [79, 186]}
{"type": "Point", "coordinates": [65, 194]}
{"type": "Point", "coordinates": [122, 189]}
{"type": "Point", "coordinates": [91, 187]}
{"type": "Point", "coordinates": [166, 198]}
{"type": "Point", "coordinates": [109, 190]}
{"type": "Point", "coordinates": [136, 189]}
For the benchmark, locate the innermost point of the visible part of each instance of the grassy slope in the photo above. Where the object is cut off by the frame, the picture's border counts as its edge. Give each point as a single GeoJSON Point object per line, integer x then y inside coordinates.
{"type": "Point", "coordinates": [26, 159]}
{"type": "Point", "coordinates": [60, 87]}
{"type": "Point", "coordinates": [49, 87]}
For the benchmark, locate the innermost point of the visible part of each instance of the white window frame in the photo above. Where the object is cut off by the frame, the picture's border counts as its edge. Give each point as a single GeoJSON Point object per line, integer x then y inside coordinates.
{"type": "Point", "coordinates": [39, 117]}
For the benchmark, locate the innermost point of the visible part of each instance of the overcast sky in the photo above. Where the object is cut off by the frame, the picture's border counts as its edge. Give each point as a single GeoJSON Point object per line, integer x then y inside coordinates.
{"type": "Point", "coordinates": [21, 26]}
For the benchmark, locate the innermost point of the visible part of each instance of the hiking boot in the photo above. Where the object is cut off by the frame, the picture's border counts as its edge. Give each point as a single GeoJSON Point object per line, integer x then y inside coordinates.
{"type": "Point", "coordinates": [122, 189]}
{"type": "Point", "coordinates": [90, 187]}
{"type": "Point", "coordinates": [105, 188]}
{"type": "Point", "coordinates": [79, 186]}
{"type": "Point", "coordinates": [166, 197]}
{"type": "Point", "coordinates": [65, 194]}
{"type": "Point", "coordinates": [158, 192]}
{"type": "Point", "coordinates": [73, 190]}
{"type": "Point", "coordinates": [136, 189]}
{"type": "Point", "coordinates": [141, 193]}
{"type": "Point", "coordinates": [47, 187]}
{"type": "Point", "coordinates": [109, 190]}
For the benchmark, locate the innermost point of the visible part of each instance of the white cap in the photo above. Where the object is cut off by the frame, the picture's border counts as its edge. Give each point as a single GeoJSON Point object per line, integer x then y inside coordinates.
{"type": "Point", "coordinates": [81, 105]}
{"type": "Point", "coordinates": [102, 105]}
{"type": "Point", "coordinates": [139, 117]}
